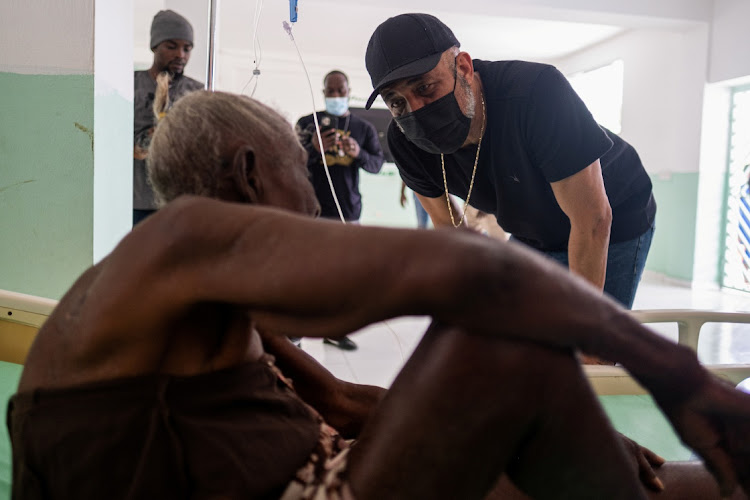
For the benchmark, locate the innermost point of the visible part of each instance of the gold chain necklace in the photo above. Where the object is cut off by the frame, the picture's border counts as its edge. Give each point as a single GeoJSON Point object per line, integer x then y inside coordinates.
{"type": "Point", "coordinates": [473, 173]}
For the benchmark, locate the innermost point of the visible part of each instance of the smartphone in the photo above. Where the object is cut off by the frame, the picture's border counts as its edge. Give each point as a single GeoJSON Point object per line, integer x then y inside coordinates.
{"type": "Point", "coordinates": [328, 123]}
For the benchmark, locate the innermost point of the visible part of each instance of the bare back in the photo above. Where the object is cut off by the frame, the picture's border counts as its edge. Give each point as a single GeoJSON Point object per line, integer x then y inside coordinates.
{"type": "Point", "coordinates": [104, 328]}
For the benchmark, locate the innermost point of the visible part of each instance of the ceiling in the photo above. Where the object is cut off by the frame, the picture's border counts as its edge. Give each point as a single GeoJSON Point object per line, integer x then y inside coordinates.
{"type": "Point", "coordinates": [339, 30]}
{"type": "Point", "coordinates": [342, 29]}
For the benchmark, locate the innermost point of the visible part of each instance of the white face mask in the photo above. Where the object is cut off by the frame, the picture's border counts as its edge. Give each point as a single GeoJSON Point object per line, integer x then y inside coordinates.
{"type": "Point", "coordinates": [337, 106]}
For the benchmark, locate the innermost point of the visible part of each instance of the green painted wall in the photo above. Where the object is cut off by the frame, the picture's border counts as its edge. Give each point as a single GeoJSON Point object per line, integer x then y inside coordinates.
{"type": "Point", "coordinates": [673, 248]}
{"type": "Point", "coordinates": [46, 181]}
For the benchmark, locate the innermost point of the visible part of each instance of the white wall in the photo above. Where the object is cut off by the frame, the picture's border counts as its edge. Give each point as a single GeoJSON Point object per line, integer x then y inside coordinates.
{"type": "Point", "coordinates": [730, 39]}
{"type": "Point", "coordinates": [662, 93]}
{"type": "Point", "coordinates": [48, 48]}
{"type": "Point", "coordinates": [283, 84]}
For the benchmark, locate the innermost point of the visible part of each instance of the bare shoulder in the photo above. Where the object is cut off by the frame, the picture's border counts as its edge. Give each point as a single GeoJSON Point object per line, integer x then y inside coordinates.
{"type": "Point", "coordinates": [169, 258]}
{"type": "Point", "coordinates": [180, 240]}
{"type": "Point", "coordinates": [183, 229]}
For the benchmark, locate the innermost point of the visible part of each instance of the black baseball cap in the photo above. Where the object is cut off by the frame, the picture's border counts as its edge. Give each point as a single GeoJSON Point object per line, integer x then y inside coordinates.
{"type": "Point", "coordinates": [404, 46]}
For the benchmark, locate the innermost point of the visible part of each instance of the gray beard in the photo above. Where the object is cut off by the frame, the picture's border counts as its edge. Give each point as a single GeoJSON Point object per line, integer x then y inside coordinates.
{"type": "Point", "coordinates": [471, 101]}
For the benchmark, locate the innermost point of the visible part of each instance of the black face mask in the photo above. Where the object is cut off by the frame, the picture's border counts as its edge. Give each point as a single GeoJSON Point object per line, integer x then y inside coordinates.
{"type": "Point", "coordinates": [439, 127]}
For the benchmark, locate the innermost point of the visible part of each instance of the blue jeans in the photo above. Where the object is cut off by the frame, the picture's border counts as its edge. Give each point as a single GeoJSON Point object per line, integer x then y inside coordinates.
{"type": "Point", "coordinates": [422, 215]}
{"type": "Point", "coordinates": [625, 263]}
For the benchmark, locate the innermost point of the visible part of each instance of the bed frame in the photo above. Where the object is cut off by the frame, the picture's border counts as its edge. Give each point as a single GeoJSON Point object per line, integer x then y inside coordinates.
{"type": "Point", "coordinates": [613, 380]}
{"type": "Point", "coordinates": [20, 317]}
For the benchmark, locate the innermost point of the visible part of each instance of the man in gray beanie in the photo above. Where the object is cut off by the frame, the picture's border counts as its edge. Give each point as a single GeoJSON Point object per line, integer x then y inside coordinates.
{"type": "Point", "coordinates": [171, 43]}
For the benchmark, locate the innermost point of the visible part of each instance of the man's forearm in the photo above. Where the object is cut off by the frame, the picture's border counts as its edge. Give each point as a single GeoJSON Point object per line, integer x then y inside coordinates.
{"type": "Point", "coordinates": [587, 255]}
{"type": "Point", "coordinates": [369, 162]}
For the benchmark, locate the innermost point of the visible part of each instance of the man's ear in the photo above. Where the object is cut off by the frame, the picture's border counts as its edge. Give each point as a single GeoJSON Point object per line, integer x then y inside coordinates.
{"type": "Point", "coordinates": [246, 175]}
{"type": "Point", "coordinates": [465, 65]}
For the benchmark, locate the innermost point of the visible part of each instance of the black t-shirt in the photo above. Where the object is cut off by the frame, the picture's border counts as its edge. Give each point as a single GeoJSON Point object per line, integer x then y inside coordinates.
{"type": "Point", "coordinates": [538, 132]}
{"type": "Point", "coordinates": [344, 169]}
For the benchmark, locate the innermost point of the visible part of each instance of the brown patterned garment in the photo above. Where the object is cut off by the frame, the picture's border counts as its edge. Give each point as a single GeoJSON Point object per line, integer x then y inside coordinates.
{"type": "Point", "coordinates": [322, 477]}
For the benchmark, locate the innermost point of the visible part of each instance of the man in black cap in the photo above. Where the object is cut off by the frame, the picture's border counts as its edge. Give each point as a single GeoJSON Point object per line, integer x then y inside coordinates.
{"type": "Point", "coordinates": [512, 139]}
{"type": "Point", "coordinates": [171, 43]}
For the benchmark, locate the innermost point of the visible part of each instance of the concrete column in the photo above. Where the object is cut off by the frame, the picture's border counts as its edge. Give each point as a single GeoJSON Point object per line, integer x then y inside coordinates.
{"type": "Point", "coordinates": [113, 124]}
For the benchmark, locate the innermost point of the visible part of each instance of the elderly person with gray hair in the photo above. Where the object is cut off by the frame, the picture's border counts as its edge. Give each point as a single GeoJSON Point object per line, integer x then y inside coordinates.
{"type": "Point", "coordinates": [171, 43]}
{"type": "Point", "coordinates": [155, 375]}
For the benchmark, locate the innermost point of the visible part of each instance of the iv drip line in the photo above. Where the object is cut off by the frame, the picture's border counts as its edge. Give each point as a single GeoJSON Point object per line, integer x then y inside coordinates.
{"type": "Point", "coordinates": [288, 29]}
{"type": "Point", "coordinates": [257, 50]}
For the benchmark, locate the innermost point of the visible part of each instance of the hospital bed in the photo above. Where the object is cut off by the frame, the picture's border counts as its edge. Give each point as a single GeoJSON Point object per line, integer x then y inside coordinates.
{"type": "Point", "coordinates": [612, 380]}
{"type": "Point", "coordinates": [20, 318]}
{"type": "Point", "coordinates": [630, 408]}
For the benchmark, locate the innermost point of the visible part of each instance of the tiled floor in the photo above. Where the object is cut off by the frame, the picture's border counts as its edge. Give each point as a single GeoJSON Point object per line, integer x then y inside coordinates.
{"type": "Point", "coordinates": [383, 348]}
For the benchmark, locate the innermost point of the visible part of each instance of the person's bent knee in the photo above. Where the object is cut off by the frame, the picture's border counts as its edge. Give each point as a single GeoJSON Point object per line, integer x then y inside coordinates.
{"type": "Point", "coordinates": [518, 363]}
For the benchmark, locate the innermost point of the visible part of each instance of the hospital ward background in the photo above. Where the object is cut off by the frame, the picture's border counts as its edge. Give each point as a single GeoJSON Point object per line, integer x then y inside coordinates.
{"type": "Point", "coordinates": [672, 77]}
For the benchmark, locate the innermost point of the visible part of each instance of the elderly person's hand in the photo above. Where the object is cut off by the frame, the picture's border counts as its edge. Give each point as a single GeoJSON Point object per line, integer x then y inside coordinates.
{"type": "Point", "coordinates": [712, 419]}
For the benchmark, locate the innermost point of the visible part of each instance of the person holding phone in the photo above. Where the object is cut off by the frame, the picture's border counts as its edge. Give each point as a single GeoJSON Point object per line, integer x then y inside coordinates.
{"type": "Point", "coordinates": [350, 144]}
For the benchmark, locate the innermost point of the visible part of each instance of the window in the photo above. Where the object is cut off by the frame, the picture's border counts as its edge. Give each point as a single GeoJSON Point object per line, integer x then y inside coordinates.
{"type": "Point", "coordinates": [736, 265]}
{"type": "Point", "coordinates": [601, 91]}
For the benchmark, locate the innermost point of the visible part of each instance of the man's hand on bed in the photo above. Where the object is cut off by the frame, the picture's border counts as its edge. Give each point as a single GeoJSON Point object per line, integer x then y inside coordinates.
{"type": "Point", "coordinates": [715, 422]}
{"type": "Point", "coordinates": [647, 461]}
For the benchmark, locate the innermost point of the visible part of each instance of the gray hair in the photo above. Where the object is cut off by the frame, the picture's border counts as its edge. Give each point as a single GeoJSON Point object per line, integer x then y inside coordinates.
{"type": "Point", "coordinates": [194, 144]}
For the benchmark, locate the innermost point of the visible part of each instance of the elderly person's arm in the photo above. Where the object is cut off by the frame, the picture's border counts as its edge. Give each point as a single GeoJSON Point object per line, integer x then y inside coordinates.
{"type": "Point", "coordinates": [301, 280]}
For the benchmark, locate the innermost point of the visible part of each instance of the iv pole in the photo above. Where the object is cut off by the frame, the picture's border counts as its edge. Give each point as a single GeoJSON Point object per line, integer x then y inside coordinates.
{"type": "Point", "coordinates": [212, 8]}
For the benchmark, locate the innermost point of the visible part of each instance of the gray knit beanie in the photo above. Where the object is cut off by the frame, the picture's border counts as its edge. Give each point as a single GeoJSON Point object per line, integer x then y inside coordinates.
{"type": "Point", "coordinates": [169, 25]}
